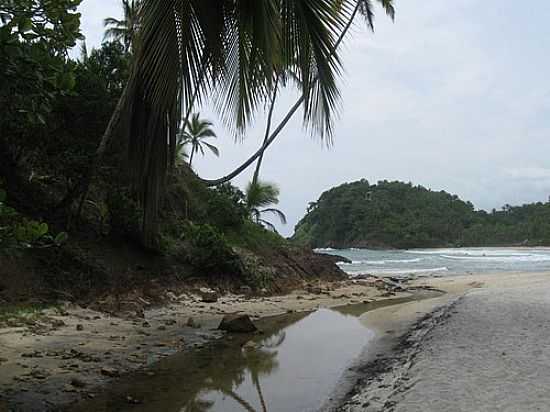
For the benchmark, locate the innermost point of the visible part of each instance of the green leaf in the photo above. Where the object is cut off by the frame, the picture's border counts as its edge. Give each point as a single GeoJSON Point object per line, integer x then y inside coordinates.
{"type": "Point", "coordinates": [61, 238]}
{"type": "Point", "coordinates": [25, 25]}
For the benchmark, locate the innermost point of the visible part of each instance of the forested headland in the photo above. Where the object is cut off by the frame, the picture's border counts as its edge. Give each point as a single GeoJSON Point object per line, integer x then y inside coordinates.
{"type": "Point", "coordinates": [402, 215]}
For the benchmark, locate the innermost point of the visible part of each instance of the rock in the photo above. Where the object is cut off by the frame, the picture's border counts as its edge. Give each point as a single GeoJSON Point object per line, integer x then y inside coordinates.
{"type": "Point", "coordinates": [237, 324]}
{"type": "Point", "coordinates": [79, 327]}
{"type": "Point", "coordinates": [172, 296]}
{"type": "Point", "coordinates": [192, 323]}
{"type": "Point", "coordinates": [169, 322]}
{"type": "Point", "coordinates": [161, 327]}
{"type": "Point", "coordinates": [209, 296]}
{"type": "Point", "coordinates": [78, 383]}
{"type": "Point", "coordinates": [57, 323]}
{"type": "Point", "coordinates": [250, 345]}
{"type": "Point", "coordinates": [146, 324]}
{"type": "Point", "coordinates": [245, 289]}
{"type": "Point", "coordinates": [110, 372]}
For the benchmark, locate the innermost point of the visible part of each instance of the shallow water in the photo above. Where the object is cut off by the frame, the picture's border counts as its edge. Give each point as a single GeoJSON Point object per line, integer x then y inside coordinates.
{"type": "Point", "coordinates": [442, 262]}
{"type": "Point", "coordinates": [299, 362]}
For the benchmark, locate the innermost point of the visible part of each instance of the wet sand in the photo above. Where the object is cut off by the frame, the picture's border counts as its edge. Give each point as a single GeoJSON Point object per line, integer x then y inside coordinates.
{"type": "Point", "coordinates": [482, 347]}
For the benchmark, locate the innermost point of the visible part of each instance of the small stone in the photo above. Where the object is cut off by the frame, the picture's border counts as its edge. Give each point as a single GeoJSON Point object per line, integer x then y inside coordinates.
{"type": "Point", "coordinates": [79, 327]}
{"type": "Point", "coordinates": [161, 327]}
{"type": "Point", "coordinates": [209, 296]}
{"type": "Point", "coordinates": [169, 322]}
{"type": "Point", "coordinates": [250, 345]}
{"type": "Point", "coordinates": [110, 372]}
{"type": "Point", "coordinates": [146, 324]}
{"type": "Point", "coordinates": [192, 323]}
{"type": "Point", "coordinates": [78, 383]}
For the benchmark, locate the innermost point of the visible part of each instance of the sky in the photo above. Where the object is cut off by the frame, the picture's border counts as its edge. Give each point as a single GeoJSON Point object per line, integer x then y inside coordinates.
{"type": "Point", "coordinates": [453, 95]}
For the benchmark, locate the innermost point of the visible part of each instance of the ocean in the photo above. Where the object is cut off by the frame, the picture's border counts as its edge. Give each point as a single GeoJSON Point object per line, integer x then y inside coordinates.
{"type": "Point", "coordinates": [442, 262]}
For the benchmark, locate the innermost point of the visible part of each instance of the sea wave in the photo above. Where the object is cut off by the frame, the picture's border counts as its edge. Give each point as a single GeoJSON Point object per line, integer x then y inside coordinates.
{"type": "Point", "coordinates": [403, 271]}
{"type": "Point", "coordinates": [379, 262]}
{"type": "Point", "coordinates": [500, 258]}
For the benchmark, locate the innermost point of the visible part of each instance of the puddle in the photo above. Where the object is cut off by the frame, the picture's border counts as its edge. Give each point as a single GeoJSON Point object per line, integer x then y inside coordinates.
{"type": "Point", "coordinates": [296, 365]}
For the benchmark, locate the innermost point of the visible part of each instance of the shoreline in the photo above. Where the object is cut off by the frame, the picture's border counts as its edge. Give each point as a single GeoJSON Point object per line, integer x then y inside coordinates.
{"type": "Point", "coordinates": [69, 353]}
{"type": "Point", "coordinates": [383, 368]}
{"type": "Point", "coordinates": [55, 362]}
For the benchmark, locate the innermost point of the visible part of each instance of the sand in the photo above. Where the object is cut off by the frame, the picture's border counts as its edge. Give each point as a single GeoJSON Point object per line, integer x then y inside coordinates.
{"type": "Point", "coordinates": [484, 346]}
{"type": "Point", "coordinates": [55, 361]}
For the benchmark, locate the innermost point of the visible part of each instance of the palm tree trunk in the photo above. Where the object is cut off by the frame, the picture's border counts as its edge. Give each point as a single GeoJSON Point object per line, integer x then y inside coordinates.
{"type": "Point", "coordinates": [286, 119]}
{"type": "Point", "coordinates": [84, 186]}
{"type": "Point", "coordinates": [256, 381]}
{"type": "Point", "coordinates": [191, 156]}
{"type": "Point", "coordinates": [240, 400]}
{"type": "Point", "coordinates": [267, 130]}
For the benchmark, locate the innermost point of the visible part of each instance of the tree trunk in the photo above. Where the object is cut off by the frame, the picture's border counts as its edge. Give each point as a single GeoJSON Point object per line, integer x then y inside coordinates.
{"type": "Point", "coordinates": [267, 130]}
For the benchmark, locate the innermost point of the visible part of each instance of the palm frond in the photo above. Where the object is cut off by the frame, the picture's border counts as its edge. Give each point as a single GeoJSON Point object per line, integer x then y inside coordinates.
{"type": "Point", "coordinates": [212, 148]}
{"type": "Point", "coordinates": [276, 212]}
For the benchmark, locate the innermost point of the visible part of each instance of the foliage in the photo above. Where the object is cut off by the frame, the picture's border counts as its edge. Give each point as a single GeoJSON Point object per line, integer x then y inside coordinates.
{"type": "Point", "coordinates": [124, 214]}
{"type": "Point", "coordinates": [124, 31]}
{"type": "Point", "coordinates": [194, 133]}
{"type": "Point", "coordinates": [209, 252]}
{"type": "Point", "coordinates": [259, 196]}
{"type": "Point", "coordinates": [19, 232]}
{"type": "Point", "coordinates": [234, 49]}
{"type": "Point", "coordinates": [395, 214]}
{"type": "Point", "coordinates": [34, 38]}
{"type": "Point", "coordinates": [225, 207]}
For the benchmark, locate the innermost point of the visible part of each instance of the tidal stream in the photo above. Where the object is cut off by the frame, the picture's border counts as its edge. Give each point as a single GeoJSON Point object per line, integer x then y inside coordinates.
{"type": "Point", "coordinates": [300, 363]}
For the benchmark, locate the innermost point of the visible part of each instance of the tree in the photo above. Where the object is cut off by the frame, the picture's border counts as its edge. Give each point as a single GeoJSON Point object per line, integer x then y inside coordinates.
{"type": "Point", "coordinates": [195, 133]}
{"type": "Point", "coordinates": [233, 49]}
{"type": "Point", "coordinates": [125, 30]}
{"type": "Point", "coordinates": [258, 197]}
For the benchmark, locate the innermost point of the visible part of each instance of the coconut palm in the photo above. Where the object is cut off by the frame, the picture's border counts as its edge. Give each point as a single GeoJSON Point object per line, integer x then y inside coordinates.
{"type": "Point", "coordinates": [258, 197]}
{"type": "Point", "coordinates": [124, 30]}
{"type": "Point", "coordinates": [231, 48]}
{"type": "Point", "coordinates": [195, 133]}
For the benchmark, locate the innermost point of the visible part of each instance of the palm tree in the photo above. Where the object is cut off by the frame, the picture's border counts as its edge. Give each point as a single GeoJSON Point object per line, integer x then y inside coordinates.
{"type": "Point", "coordinates": [195, 133]}
{"type": "Point", "coordinates": [259, 195]}
{"type": "Point", "coordinates": [125, 30]}
{"type": "Point", "coordinates": [234, 49]}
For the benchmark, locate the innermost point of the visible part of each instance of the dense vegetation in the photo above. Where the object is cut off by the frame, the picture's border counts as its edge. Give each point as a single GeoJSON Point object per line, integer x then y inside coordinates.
{"type": "Point", "coordinates": [98, 148]}
{"type": "Point", "coordinates": [400, 215]}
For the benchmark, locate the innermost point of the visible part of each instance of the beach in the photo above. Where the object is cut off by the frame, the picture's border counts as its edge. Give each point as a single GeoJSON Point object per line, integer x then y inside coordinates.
{"type": "Point", "coordinates": [483, 347]}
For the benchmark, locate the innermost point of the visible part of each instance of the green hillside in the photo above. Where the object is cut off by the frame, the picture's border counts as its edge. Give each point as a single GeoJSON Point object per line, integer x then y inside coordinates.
{"type": "Point", "coordinates": [401, 215]}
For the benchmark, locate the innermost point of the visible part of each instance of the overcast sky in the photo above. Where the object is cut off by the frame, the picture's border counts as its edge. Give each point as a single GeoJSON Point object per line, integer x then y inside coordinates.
{"type": "Point", "coordinates": [454, 95]}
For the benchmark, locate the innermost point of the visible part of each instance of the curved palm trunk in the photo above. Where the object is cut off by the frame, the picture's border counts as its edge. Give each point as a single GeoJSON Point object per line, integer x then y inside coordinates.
{"type": "Point", "coordinates": [240, 400]}
{"type": "Point", "coordinates": [286, 119]}
{"type": "Point", "coordinates": [256, 381]}
{"type": "Point", "coordinates": [267, 130]}
{"type": "Point", "coordinates": [84, 187]}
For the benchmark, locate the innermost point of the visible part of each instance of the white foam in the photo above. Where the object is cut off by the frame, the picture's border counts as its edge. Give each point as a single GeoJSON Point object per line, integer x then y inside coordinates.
{"type": "Point", "coordinates": [500, 258]}
{"type": "Point", "coordinates": [401, 271]}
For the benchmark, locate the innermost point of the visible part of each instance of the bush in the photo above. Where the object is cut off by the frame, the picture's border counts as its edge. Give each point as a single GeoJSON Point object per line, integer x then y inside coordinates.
{"type": "Point", "coordinates": [225, 207]}
{"type": "Point", "coordinates": [125, 214]}
{"type": "Point", "coordinates": [209, 251]}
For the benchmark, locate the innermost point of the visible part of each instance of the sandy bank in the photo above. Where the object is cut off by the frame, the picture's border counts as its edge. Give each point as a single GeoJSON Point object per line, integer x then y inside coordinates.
{"type": "Point", "coordinates": [68, 353]}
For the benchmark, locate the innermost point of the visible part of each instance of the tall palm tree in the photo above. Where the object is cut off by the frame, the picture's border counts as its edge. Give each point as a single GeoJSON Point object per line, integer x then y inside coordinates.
{"type": "Point", "coordinates": [233, 48]}
{"type": "Point", "coordinates": [195, 133]}
{"type": "Point", "coordinates": [258, 197]}
{"type": "Point", "coordinates": [124, 30]}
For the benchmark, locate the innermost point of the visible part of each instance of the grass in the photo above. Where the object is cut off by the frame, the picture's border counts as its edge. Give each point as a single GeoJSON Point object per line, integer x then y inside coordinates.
{"type": "Point", "coordinates": [22, 313]}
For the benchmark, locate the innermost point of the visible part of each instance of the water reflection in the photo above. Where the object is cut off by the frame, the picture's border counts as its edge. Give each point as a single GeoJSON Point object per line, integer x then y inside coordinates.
{"type": "Point", "coordinates": [294, 366]}
{"type": "Point", "coordinates": [256, 361]}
